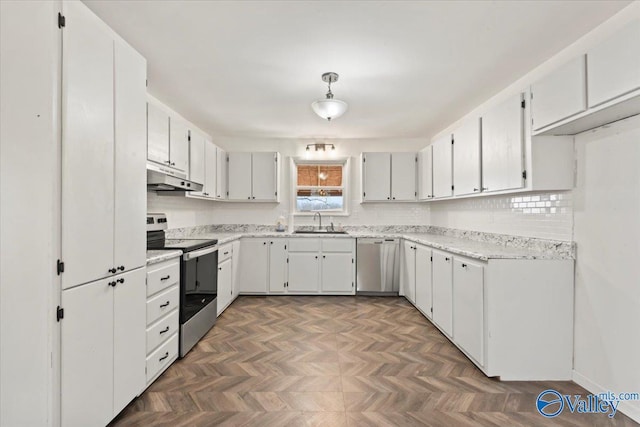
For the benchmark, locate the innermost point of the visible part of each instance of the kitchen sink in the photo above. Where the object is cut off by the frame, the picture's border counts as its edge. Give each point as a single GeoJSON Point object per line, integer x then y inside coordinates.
{"type": "Point", "coordinates": [318, 232]}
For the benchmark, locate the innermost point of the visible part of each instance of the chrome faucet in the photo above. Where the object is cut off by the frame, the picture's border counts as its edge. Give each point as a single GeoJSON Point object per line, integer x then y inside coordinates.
{"type": "Point", "coordinates": [320, 219]}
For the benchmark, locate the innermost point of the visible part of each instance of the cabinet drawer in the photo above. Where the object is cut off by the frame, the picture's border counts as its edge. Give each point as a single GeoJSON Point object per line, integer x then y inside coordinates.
{"type": "Point", "coordinates": [162, 276]}
{"type": "Point", "coordinates": [337, 245]}
{"type": "Point", "coordinates": [304, 245]}
{"type": "Point", "coordinates": [225, 253]}
{"type": "Point", "coordinates": [162, 330]}
{"type": "Point", "coordinates": [162, 304]}
{"type": "Point", "coordinates": [162, 357]}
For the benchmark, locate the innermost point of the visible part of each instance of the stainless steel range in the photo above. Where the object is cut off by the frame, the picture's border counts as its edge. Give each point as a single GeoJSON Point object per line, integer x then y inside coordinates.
{"type": "Point", "coordinates": [198, 280]}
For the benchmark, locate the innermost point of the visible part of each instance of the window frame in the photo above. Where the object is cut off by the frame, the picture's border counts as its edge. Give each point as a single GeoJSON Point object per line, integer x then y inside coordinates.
{"type": "Point", "coordinates": [345, 162]}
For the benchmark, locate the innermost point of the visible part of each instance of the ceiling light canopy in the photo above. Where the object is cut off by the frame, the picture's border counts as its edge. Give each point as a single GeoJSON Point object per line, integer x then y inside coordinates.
{"type": "Point", "coordinates": [329, 108]}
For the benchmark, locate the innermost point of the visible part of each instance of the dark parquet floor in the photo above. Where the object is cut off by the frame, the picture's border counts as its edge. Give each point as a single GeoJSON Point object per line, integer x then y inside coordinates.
{"type": "Point", "coordinates": [337, 361]}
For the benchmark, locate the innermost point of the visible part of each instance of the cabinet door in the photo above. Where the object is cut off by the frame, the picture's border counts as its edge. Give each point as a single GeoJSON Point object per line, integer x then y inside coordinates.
{"type": "Point", "coordinates": [235, 277]}
{"type": "Point", "coordinates": [502, 142]}
{"type": "Point", "coordinates": [468, 311]}
{"type": "Point", "coordinates": [337, 272]}
{"type": "Point", "coordinates": [277, 265]}
{"type": "Point", "coordinates": [129, 337]}
{"type": "Point", "coordinates": [197, 157]}
{"type": "Point", "coordinates": [304, 272]}
{"type": "Point", "coordinates": [466, 158]}
{"type": "Point", "coordinates": [442, 167]}
{"type": "Point", "coordinates": [157, 135]}
{"type": "Point", "coordinates": [443, 291]}
{"type": "Point", "coordinates": [221, 174]}
{"type": "Point", "coordinates": [224, 284]}
{"type": "Point", "coordinates": [614, 65]}
{"type": "Point", "coordinates": [408, 271]}
{"type": "Point", "coordinates": [425, 173]}
{"type": "Point", "coordinates": [87, 147]}
{"type": "Point", "coordinates": [423, 280]}
{"type": "Point", "coordinates": [403, 176]}
{"type": "Point", "coordinates": [560, 94]}
{"type": "Point", "coordinates": [254, 266]}
{"type": "Point", "coordinates": [376, 176]}
{"type": "Point", "coordinates": [130, 194]}
{"type": "Point", "coordinates": [239, 173]}
{"type": "Point", "coordinates": [86, 345]}
{"type": "Point", "coordinates": [179, 144]}
{"type": "Point", "coordinates": [264, 181]}
{"type": "Point", "coordinates": [210, 168]}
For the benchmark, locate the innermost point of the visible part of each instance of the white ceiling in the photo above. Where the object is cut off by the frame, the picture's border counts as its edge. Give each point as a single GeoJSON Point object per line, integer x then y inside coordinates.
{"type": "Point", "coordinates": [407, 68]}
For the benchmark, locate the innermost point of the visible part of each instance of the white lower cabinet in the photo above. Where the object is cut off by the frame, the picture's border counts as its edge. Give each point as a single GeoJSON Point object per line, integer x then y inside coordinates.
{"type": "Point", "coordinates": [443, 291]}
{"type": "Point", "coordinates": [408, 271]}
{"type": "Point", "coordinates": [163, 322]}
{"type": "Point", "coordinates": [468, 307]}
{"type": "Point", "coordinates": [102, 348]}
{"type": "Point", "coordinates": [337, 271]}
{"type": "Point", "coordinates": [304, 272]}
{"type": "Point", "coordinates": [424, 300]}
{"type": "Point", "coordinates": [225, 296]}
{"type": "Point", "coordinates": [262, 265]}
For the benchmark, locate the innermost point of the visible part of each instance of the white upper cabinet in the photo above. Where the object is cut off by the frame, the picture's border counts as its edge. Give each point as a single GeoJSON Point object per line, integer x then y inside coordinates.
{"type": "Point", "coordinates": [425, 173]}
{"type": "Point", "coordinates": [210, 168]}
{"type": "Point", "coordinates": [221, 174]}
{"type": "Point", "coordinates": [466, 157]}
{"type": "Point", "coordinates": [376, 173]}
{"type": "Point", "coordinates": [559, 95]}
{"type": "Point", "coordinates": [403, 176]}
{"type": "Point", "coordinates": [157, 135]}
{"type": "Point", "coordinates": [442, 167]}
{"type": "Point", "coordinates": [239, 183]}
{"type": "Point", "coordinates": [614, 65]}
{"type": "Point", "coordinates": [264, 176]}
{"type": "Point", "coordinates": [502, 145]}
{"type": "Point", "coordinates": [197, 159]}
{"type": "Point", "coordinates": [179, 144]}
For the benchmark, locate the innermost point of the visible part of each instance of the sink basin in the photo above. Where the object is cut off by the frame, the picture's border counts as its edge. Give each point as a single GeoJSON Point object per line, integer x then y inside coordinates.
{"type": "Point", "coordinates": [318, 232]}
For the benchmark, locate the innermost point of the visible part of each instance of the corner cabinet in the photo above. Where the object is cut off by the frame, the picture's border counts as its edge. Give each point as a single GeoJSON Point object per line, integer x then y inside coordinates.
{"type": "Point", "coordinates": [389, 177]}
{"type": "Point", "coordinates": [253, 176]}
{"type": "Point", "coordinates": [262, 265]}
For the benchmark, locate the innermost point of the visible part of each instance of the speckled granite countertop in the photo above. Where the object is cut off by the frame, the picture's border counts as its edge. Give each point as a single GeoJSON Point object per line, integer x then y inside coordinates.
{"type": "Point", "coordinates": [509, 247]}
{"type": "Point", "coordinates": [155, 256]}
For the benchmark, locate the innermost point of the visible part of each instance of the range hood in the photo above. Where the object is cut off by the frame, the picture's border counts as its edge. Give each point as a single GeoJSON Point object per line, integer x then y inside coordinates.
{"type": "Point", "coordinates": [159, 179]}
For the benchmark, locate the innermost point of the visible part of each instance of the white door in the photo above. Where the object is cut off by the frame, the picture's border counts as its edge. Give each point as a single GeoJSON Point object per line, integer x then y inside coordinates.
{"type": "Point", "coordinates": [264, 181]}
{"type": "Point", "coordinates": [337, 272]}
{"type": "Point", "coordinates": [210, 168]}
{"type": "Point", "coordinates": [86, 346]}
{"type": "Point", "coordinates": [221, 174]}
{"type": "Point", "coordinates": [502, 142]}
{"type": "Point", "coordinates": [443, 291]}
{"type": "Point", "coordinates": [87, 147]}
{"type": "Point", "coordinates": [376, 176]}
{"type": "Point", "coordinates": [403, 176]}
{"type": "Point", "coordinates": [235, 276]}
{"type": "Point", "coordinates": [303, 272]}
{"type": "Point", "coordinates": [560, 94]}
{"type": "Point", "coordinates": [277, 265]}
{"type": "Point", "coordinates": [442, 167]}
{"type": "Point", "coordinates": [466, 158]}
{"type": "Point", "coordinates": [468, 312]}
{"type": "Point", "coordinates": [425, 173]}
{"type": "Point", "coordinates": [423, 280]}
{"type": "Point", "coordinates": [408, 271]}
{"type": "Point", "coordinates": [197, 157]}
{"type": "Point", "coordinates": [239, 172]}
{"type": "Point", "coordinates": [179, 144]}
{"type": "Point", "coordinates": [130, 204]}
{"type": "Point", "coordinates": [224, 284]}
{"type": "Point", "coordinates": [254, 266]}
{"type": "Point", "coordinates": [157, 135]}
{"type": "Point", "coordinates": [614, 65]}
{"type": "Point", "coordinates": [129, 337]}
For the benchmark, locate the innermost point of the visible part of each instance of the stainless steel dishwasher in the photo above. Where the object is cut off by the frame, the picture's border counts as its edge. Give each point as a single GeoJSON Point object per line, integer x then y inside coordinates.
{"type": "Point", "coordinates": [378, 266]}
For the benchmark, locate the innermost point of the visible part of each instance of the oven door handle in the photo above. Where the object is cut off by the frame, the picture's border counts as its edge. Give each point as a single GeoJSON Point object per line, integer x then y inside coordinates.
{"type": "Point", "coordinates": [195, 254]}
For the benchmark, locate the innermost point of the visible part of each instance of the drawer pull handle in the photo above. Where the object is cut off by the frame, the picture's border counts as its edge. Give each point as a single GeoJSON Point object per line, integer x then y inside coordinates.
{"type": "Point", "coordinates": [464, 265]}
{"type": "Point", "coordinates": [166, 354]}
{"type": "Point", "coordinates": [167, 277]}
{"type": "Point", "coordinates": [447, 259]}
{"type": "Point", "coordinates": [226, 253]}
{"type": "Point", "coordinates": [165, 304]}
{"type": "Point", "coordinates": [164, 331]}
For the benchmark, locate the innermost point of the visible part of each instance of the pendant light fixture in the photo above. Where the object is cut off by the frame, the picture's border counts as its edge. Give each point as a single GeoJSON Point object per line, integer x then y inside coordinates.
{"type": "Point", "coordinates": [329, 108]}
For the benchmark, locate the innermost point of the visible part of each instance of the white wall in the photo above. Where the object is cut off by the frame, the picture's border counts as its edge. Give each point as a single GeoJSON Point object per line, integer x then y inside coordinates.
{"type": "Point", "coordinates": [29, 206]}
{"type": "Point", "coordinates": [607, 284]}
{"type": "Point", "coordinates": [183, 212]}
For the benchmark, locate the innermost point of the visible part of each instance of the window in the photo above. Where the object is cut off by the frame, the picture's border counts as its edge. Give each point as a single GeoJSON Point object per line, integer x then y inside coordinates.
{"type": "Point", "coordinates": [320, 186]}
